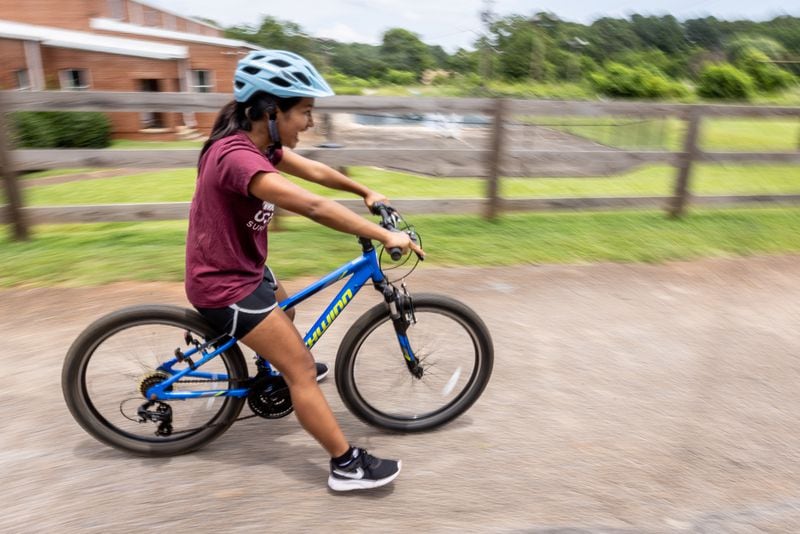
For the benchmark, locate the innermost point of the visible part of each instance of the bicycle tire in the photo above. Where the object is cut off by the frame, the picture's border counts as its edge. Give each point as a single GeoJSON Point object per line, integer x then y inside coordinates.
{"type": "Point", "coordinates": [87, 376]}
{"type": "Point", "coordinates": [369, 360]}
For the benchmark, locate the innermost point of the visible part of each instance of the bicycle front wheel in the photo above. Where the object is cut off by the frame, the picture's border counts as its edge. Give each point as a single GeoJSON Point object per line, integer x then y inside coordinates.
{"type": "Point", "coordinates": [116, 359]}
{"type": "Point", "coordinates": [454, 349]}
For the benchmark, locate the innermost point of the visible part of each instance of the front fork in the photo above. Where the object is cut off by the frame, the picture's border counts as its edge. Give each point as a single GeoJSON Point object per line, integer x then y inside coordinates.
{"type": "Point", "coordinates": [401, 312]}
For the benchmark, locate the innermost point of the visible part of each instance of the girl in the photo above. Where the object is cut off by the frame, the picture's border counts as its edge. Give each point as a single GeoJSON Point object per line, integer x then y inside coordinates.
{"type": "Point", "coordinates": [238, 186]}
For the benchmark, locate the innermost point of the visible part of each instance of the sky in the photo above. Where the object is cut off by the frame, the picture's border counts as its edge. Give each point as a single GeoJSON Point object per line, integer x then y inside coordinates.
{"type": "Point", "coordinates": [451, 23]}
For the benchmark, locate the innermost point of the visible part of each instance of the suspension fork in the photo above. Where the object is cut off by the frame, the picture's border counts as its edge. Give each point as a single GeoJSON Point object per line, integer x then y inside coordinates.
{"type": "Point", "coordinates": [401, 312]}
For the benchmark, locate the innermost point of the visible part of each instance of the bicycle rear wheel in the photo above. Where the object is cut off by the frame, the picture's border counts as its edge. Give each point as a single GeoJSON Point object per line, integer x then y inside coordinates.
{"type": "Point", "coordinates": [112, 363]}
{"type": "Point", "coordinates": [453, 346]}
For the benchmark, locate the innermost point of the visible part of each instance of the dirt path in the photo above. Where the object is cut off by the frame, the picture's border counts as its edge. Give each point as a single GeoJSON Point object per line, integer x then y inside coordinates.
{"type": "Point", "coordinates": [625, 398]}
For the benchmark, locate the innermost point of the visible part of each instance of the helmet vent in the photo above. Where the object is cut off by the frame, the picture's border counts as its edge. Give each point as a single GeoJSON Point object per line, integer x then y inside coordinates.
{"type": "Point", "coordinates": [238, 84]}
{"type": "Point", "coordinates": [280, 63]}
{"type": "Point", "coordinates": [280, 81]}
{"type": "Point", "coordinates": [302, 77]}
{"type": "Point", "coordinates": [251, 70]}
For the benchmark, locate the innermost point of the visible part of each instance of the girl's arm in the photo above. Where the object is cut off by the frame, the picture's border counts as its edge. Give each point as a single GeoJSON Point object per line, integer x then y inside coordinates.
{"type": "Point", "coordinates": [276, 189]}
{"type": "Point", "coordinates": [314, 171]}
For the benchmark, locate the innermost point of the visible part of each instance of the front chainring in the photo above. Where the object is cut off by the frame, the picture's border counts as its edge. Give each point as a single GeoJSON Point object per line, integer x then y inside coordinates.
{"type": "Point", "coordinates": [271, 401]}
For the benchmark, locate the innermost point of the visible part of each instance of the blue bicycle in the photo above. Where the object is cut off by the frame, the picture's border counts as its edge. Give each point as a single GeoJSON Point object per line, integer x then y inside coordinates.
{"type": "Point", "coordinates": [158, 380]}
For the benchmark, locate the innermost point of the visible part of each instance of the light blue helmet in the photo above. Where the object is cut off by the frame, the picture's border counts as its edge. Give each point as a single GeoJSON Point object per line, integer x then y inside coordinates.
{"type": "Point", "coordinates": [278, 73]}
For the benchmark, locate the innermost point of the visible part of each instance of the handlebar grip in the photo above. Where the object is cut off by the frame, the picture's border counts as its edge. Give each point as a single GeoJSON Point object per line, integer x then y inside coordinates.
{"type": "Point", "coordinates": [395, 253]}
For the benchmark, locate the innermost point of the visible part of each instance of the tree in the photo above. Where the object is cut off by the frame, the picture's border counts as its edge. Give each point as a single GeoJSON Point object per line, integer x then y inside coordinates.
{"type": "Point", "coordinates": [608, 37]}
{"type": "Point", "coordinates": [706, 33]}
{"type": "Point", "coordinates": [403, 50]}
{"type": "Point", "coordinates": [463, 61]}
{"type": "Point", "coordinates": [663, 33]}
{"type": "Point", "coordinates": [274, 33]}
{"type": "Point", "coordinates": [359, 60]}
{"type": "Point", "coordinates": [522, 49]}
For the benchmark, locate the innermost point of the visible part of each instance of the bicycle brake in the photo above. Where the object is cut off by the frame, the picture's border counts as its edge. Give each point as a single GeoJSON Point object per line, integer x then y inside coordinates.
{"type": "Point", "coordinates": [405, 305]}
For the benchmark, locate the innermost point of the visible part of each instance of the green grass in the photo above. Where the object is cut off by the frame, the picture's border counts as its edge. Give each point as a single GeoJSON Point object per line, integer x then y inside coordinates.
{"type": "Point", "coordinates": [174, 185]}
{"type": "Point", "coordinates": [178, 185]}
{"type": "Point", "coordinates": [154, 145]}
{"type": "Point", "coordinates": [92, 254]}
{"type": "Point", "coordinates": [722, 134]}
{"type": "Point", "coordinates": [54, 172]}
{"type": "Point", "coordinates": [756, 135]}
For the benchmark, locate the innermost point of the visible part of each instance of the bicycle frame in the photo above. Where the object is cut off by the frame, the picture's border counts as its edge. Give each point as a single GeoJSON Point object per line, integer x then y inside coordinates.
{"type": "Point", "coordinates": [360, 270]}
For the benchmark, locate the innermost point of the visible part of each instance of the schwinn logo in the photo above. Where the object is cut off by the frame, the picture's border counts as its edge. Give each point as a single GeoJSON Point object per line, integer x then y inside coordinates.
{"type": "Point", "coordinates": [326, 322]}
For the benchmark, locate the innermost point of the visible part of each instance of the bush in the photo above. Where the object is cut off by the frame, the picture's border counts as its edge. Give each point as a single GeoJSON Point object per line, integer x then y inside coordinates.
{"type": "Point", "coordinates": [343, 84]}
{"type": "Point", "coordinates": [767, 76]}
{"type": "Point", "coordinates": [723, 80]}
{"type": "Point", "coordinates": [635, 82]}
{"type": "Point", "coordinates": [61, 129]}
{"type": "Point", "coordinates": [32, 130]}
{"type": "Point", "coordinates": [400, 77]}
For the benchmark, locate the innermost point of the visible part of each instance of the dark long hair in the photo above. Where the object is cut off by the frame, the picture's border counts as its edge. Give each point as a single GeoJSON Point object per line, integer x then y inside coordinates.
{"type": "Point", "coordinates": [236, 116]}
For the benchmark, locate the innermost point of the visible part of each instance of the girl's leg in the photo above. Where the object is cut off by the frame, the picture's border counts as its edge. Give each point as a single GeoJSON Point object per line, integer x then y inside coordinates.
{"type": "Point", "coordinates": [278, 341]}
{"type": "Point", "coordinates": [281, 295]}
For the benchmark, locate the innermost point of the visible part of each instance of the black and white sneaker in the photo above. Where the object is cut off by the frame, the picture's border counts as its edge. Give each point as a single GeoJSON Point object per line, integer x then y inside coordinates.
{"type": "Point", "coordinates": [363, 471]}
{"type": "Point", "coordinates": [322, 371]}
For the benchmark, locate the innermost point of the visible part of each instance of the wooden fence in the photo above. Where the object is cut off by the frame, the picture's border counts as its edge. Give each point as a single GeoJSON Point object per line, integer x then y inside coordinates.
{"type": "Point", "coordinates": [497, 159]}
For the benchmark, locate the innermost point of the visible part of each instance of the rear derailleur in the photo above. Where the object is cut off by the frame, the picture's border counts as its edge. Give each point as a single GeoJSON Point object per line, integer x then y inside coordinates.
{"type": "Point", "coordinates": [161, 414]}
{"type": "Point", "coordinates": [153, 410]}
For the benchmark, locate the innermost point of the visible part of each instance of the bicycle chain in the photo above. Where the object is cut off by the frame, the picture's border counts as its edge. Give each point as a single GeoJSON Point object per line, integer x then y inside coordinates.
{"type": "Point", "coordinates": [203, 381]}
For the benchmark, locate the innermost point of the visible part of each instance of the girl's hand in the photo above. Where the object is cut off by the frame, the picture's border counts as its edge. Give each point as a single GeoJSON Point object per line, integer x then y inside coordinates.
{"type": "Point", "coordinates": [372, 197]}
{"type": "Point", "coordinates": [402, 241]}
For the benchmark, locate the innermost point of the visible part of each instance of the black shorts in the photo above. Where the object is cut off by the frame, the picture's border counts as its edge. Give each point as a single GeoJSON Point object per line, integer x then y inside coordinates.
{"type": "Point", "coordinates": [239, 319]}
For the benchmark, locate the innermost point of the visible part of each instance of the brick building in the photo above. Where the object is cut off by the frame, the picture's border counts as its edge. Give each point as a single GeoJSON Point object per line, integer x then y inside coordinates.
{"type": "Point", "coordinates": [117, 45]}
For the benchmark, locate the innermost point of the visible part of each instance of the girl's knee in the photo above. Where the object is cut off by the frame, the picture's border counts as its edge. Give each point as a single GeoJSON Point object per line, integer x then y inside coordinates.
{"type": "Point", "coordinates": [302, 372]}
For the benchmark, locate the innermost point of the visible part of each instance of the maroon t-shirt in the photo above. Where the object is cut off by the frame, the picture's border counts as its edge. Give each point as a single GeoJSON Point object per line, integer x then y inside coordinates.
{"type": "Point", "coordinates": [226, 246]}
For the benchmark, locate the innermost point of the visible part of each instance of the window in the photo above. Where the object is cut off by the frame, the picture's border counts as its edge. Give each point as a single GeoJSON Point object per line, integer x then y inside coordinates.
{"type": "Point", "coordinates": [23, 79]}
{"type": "Point", "coordinates": [74, 79]}
{"type": "Point", "coordinates": [201, 81]}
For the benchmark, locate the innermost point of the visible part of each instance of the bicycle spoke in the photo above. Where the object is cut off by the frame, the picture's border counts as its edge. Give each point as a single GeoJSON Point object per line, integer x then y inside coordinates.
{"type": "Point", "coordinates": [447, 352]}
{"type": "Point", "coordinates": [113, 365]}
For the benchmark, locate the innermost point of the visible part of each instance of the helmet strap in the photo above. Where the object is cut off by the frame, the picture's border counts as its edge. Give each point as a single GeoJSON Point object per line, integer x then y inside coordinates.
{"type": "Point", "coordinates": [274, 136]}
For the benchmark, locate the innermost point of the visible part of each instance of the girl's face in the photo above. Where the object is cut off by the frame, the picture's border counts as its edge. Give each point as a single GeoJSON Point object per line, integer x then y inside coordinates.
{"type": "Point", "coordinates": [297, 119]}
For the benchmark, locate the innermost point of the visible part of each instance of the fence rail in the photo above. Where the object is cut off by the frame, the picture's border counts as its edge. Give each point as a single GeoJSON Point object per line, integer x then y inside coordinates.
{"type": "Point", "coordinates": [495, 160]}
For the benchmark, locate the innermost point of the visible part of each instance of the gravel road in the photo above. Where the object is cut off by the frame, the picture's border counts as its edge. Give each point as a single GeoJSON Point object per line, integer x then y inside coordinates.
{"type": "Point", "coordinates": [625, 398]}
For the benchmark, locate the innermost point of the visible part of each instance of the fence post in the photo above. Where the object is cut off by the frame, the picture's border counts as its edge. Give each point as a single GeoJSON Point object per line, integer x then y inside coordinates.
{"type": "Point", "coordinates": [495, 159]}
{"type": "Point", "coordinates": [13, 195]}
{"type": "Point", "coordinates": [690, 151]}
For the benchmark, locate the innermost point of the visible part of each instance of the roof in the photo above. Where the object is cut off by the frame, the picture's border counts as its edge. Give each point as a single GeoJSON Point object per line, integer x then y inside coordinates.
{"type": "Point", "coordinates": [125, 27]}
{"type": "Point", "coordinates": [179, 15]}
{"type": "Point", "coordinates": [60, 38]}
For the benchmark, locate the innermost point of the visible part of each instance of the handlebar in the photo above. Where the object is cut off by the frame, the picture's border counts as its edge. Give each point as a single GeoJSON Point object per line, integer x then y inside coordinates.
{"type": "Point", "coordinates": [389, 220]}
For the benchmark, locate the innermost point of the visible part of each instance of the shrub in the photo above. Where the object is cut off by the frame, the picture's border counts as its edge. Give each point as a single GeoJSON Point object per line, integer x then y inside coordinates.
{"type": "Point", "coordinates": [723, 80]}
{"type": "Point", "coordinates": [767, 76]}
{"type": "Point", "coordinates": [400, 77]}
{"type": "Point", "coordinates": [343, 84]}
{"type": "Point", "coordinates": [32, 130]}
{"type": "Point", "coordinates": [61, 129]}
{"type": "Point", "coordinates": [635, 82]}
{"type": "Point", "coordinates": [741, 46]}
